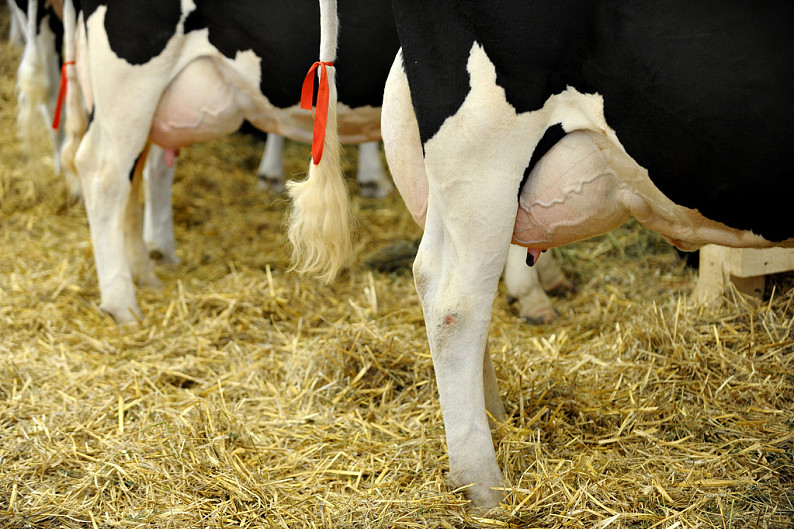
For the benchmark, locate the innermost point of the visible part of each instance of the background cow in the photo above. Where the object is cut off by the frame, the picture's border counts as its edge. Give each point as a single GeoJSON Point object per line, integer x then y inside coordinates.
{"type": "Point", "coordinates": [230, 88]}
{"type": "Point", "coordinates": [210, 68]}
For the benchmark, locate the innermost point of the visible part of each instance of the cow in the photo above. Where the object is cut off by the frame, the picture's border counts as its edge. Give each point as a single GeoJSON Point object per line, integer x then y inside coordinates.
{"type": "Point", "coordinates": [38, 78]}
{"type": "Point", "coordinates": [173, 73]}
{"type": "Point", "coordinates": [37, 26]}
{"type": "Point", "coordinates": [16, 24]}
{"type": "Point", "coordinates": [546, 122]}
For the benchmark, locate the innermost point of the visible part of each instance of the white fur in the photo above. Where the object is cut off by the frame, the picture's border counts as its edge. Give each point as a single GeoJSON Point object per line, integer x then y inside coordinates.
{"type": "Point", "coordinates": [158, 221]}
{"type": "Point", "coordinates": [320, 216]}
{"type": "Point", "coordinates": [38, 79]}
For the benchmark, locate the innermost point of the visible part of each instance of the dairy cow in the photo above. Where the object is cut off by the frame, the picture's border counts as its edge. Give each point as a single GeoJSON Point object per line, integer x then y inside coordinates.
{"type": "Point", "coordinates": [173, 73]}
{"type": "Point", "coordinates": [677, 112]}
{"type": "Point", "coordinates": [37, 26]}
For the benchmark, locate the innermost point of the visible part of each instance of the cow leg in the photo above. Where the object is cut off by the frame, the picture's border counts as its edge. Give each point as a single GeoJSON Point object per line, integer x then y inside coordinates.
{"type": "Point", "coordinates": [271, 169]}
{"type": "Point", "coordinates": [552, 277]}
{"type": "Point", "coordinates": [137, 254]}
{"type": "Point", "coordinates": [457, 271]}
{"type": "Point", "coordinates": [105, 176]}
{"type": "Point", "coordinates": [158, 221]}
{"type": "Point", "coordinates": [372, 178]}
{"type": "Point", "coordinates": [493, 403]}
{"type": "Point", "coordinates": [17, 23]}
{"type": "Point", "coordinates": [52, 70]}
{"type": "Point", "coordinates": [405, 156]}
{"type": "Point", "coordinates": [524, 285]}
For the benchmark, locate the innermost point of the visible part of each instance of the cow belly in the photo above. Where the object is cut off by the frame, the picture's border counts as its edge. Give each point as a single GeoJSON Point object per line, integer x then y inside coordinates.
{"type": "Point", "coordinates": [586, 186]}
{"type": "Point", "coordinates": [203, 103]}
{"type": "Point", "coordinates": [198, 105]}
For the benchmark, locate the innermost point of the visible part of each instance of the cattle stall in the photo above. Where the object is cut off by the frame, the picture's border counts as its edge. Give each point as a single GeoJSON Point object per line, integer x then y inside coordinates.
{"type": "Point", "coordinates": [251, 397]}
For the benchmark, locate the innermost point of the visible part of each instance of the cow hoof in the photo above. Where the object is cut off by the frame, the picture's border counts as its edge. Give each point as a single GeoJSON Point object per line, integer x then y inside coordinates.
{"type": "Point", "coordinates": [560, 288]}
{"type": "Point", "coordinates": [484, 497]}
{"type": "Point", "coordinates": [123, 316]}
{"type": "Point", "coordinates": [151, 281]}
{"type": "Point", "coordinates": [270, 183]}
{"type": "Point", "coordinates": [164, 258]}
{"type": "Point", "coordinates": [374, 190]}
{"type": "Point", "coordinates": [541, 316]}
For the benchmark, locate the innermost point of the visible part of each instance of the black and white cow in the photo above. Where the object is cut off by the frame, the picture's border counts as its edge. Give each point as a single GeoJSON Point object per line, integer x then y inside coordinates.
{"type": "Point", "coordinates": [37, 26]}
{"type": "Point", "coordinates": [678, 113]}
{"type": "Point", "coordinates": [173, 73]}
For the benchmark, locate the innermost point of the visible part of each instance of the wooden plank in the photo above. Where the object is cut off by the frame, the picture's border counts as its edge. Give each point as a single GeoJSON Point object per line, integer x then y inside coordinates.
{"type": "Point", "coordinates": [749, 262]}
{"type": "Point", "coordinates": [711, 274]}
{"type": "Point", "coordinates": [747, 268]}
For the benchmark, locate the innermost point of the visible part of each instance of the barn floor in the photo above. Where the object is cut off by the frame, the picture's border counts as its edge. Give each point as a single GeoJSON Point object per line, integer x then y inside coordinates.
{"type": "Point", "coordinates": [250, 397]}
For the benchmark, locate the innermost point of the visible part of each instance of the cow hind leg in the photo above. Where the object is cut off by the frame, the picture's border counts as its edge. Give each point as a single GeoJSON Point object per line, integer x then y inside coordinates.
{"type": "Point", "coordinates": [270, 173]}
{"type": "Point", "coordinates": [457, 287]}
{"type": "Point", "coordinates": [106, 185]}
{"type": "Point", "coordinates": [524, 285]}
{"type": "Point", "coordinates": [137, 254]}
{"type": "Point", "coordinates": [372, 178]}
{"type": "Point", "coordinates": [158, 220]}
{"type": "Point", "coordinates": [456, 272]}
{"type": "Point", "coordinates": [552, 278]}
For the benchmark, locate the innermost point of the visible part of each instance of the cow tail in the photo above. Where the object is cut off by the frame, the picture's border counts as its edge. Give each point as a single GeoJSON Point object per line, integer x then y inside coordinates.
{"type": "Point", "coordinates": [31, 85]}
{"type": "Point", "coordinates": [75, 122]}
{"type": "Point", "coordinates": [321, 219]}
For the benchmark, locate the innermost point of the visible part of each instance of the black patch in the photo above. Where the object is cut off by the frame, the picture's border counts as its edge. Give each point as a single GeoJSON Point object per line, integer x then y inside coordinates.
{"type": "Point", "coordinates": [285, 35]}
{"type": "Point", "coordinates": [437, 38]}
{"type": "Point", "coordinates": [134, 165]}
{"type": "Point", "coordinates": [698, 91]}
{"type": "Point", "coordinates": [700, 94]}
{"type": "Point", "coordinates": [138, 35]}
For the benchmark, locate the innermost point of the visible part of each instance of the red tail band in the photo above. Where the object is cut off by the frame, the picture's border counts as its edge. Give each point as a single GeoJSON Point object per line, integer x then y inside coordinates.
{"type": "Point", "coordinates": [56, 119]}
{"type": "Point", "coordinates": [321, 116]}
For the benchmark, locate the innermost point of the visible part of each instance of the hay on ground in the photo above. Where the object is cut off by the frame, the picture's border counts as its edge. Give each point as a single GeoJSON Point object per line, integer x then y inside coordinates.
{"type": "Point", "coordinates": [250, 397]}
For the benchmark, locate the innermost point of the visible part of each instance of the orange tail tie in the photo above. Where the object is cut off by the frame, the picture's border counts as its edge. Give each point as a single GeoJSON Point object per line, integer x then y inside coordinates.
{"type": "Point", "coordinates": [56, 119]}
{"type": "Point", "coordinates": [321, 117]}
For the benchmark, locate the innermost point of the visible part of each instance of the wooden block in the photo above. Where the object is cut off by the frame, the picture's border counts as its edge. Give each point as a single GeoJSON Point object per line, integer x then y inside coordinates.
{"type": "Point", "coordinates": [753, 286]}
{"type": "Point", "coordinates": [711, 274]}
{"type": "Point", "coordinates": [749, 262]}
{"type": "Point", "coordinates": [746, 268]}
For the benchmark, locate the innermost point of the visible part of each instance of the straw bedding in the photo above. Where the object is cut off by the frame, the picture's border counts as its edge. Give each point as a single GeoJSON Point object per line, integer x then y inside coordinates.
{"type": "Point", "coordinates": [249, 397]}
